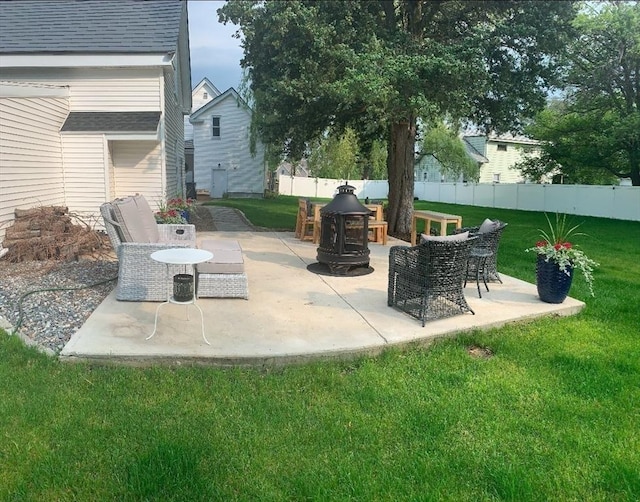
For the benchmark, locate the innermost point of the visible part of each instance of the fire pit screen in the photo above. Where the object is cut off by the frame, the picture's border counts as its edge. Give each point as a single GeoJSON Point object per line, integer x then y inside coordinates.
{"type": "Point", "coordinates": [344, 236]}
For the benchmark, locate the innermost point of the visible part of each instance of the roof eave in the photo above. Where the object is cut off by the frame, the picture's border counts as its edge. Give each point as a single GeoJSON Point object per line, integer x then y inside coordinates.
{"type": "Point", "coordinates": [43, 60]}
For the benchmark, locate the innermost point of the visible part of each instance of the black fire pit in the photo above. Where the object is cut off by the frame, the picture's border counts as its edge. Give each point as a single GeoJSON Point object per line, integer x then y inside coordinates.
{"type": "Point", "coordinates": [344, 236]}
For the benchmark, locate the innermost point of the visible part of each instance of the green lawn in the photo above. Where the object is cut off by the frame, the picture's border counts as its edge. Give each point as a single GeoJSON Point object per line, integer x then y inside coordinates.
{"type": "Point", "coordinates": [553, 415]}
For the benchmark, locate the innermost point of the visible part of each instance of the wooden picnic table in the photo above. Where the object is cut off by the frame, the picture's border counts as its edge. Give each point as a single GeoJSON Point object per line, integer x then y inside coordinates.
{"type": "Point", "coordinates": [428, 216]}
{"type": "Point", "coordinates": [376, 223]}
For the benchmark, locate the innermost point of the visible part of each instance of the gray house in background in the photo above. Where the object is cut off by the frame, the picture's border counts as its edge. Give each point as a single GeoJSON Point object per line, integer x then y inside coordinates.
{"type": "Point", "coordinates": [92, 99]}
{"type": "Point", "coordinates": [428, 168]}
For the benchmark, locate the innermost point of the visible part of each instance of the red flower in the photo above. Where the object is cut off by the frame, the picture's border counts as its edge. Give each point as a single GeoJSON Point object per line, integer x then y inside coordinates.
{"type": "Point", "coordinates": [541, 244]}
{"type": "Point", "coordinates": [558, 246]}
{"type": "Point", "coordinates": [567, 245]}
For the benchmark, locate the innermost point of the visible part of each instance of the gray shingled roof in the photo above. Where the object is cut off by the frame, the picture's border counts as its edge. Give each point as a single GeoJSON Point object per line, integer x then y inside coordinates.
{"type": "Point", "coordinates": [89, 26]}
{"type": "Point", "coordinates": [111, 122]}
{"type": "Point", "coordinates": [474, 153]}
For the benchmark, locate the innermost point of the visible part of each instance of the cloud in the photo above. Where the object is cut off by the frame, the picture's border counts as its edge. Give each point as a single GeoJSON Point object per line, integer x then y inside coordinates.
{"type": "Point", "coordinates": [215, 54]}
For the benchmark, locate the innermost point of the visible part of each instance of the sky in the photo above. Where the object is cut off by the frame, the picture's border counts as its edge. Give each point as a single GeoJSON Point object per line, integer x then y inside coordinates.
{"type": "Point", "coordinates": [215, 54]}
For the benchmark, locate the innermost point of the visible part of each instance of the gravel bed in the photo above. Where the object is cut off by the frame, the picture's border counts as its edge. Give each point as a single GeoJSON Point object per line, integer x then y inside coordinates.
{"type": "Point", "coordinates": [50, 318]}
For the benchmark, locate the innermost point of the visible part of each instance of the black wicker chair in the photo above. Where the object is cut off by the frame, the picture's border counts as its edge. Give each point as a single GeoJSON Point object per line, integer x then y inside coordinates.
{"type": "Point", "coordinates": [490, 241]}
{"type": "Point", "coordinates": [425, 281]}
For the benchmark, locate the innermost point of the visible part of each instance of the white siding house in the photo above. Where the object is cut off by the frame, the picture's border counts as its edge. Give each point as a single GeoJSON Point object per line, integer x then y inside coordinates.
{"type": "Point", "coordinates": [223, 163]}
{"type": "Point", "coordinates": [503, 152]}
{"type": "Point", "coordinates": [495, 156]}
{"type": "Point", "coordinates": [92, 100]}
{"type": "Point", "coordinates": [30, 148]}
{"type": "Point", "coordinates": [202, 94]}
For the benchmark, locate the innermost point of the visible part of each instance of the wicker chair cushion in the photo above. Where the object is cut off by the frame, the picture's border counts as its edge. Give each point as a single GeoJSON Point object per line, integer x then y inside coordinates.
{"type": "Point", "coordinates": [137, 223]}
{"type": "Point", "coordinates": [147, 219]}
{"type": "Point", "coordinates": [488, 226]}
{"type": "Point", "coordinates": [227, 257]}
{"type": "Point", "coordinates": [216, 244]}
{"type": "Point", "coordinates": [224, 261]}
{"type": "Point", "coordinates": [455, 237]}
{"type": "Point", "coordinates": [126, 214]}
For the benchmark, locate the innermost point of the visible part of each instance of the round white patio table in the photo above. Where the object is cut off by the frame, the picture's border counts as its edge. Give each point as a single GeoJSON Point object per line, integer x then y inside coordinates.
{"type": "Point", "coordinates": [181, 256]}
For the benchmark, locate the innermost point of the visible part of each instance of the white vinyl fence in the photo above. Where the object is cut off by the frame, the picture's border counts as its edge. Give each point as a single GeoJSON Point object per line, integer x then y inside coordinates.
{"type": "Point", "coordinates": [617, 202]}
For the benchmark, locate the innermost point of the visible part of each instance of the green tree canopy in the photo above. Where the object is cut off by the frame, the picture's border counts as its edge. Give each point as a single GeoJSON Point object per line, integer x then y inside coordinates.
{"type": "Point", "coordinates": [335, 157]}
{"type": "Point", "coordinates": [341, 157]}
{"type": "Point", "coordinates": [378, 65]}
{"type": "Point", "coordinates": [593, 135]}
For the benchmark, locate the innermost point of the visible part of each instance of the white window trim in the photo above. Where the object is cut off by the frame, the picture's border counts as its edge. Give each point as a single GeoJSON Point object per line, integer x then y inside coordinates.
{"type": "Point", "coordinates": [219, 127]}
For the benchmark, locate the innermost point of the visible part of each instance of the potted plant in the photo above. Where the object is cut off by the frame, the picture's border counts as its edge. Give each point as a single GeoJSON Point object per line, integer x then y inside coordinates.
{"type": "Point", "coordinates": [168, 216]}
{"type": "Point", "coordinates": [184, 206]}
{"type": "Point", "coordinates": [557, 259]}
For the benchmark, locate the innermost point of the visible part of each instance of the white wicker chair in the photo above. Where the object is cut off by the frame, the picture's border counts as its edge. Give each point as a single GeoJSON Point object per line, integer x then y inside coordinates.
{"type": "Point", "coordinates": [139, 277]}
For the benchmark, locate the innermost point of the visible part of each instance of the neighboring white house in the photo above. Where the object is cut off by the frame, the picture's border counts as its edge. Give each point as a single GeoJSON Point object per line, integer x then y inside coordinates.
{"type": "Point", "coordinates": [222, 159]}
{"type": "Point", "coordinates": [503, 152]}
{"type": "Point", "coordinates": [202, 93]}
{"type": "Point", "coordinates": [428, 168]}
{"type": "Point", "coordinates": [92, 100]}
{"type": "Point", "coordinates": [288, 169]}
{"type": "Point", "coordinates": [494, 154]}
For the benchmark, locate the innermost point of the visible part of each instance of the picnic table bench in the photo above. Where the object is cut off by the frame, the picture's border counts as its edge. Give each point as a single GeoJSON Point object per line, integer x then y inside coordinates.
{"type": "Point", "coordinates": [428, 216]}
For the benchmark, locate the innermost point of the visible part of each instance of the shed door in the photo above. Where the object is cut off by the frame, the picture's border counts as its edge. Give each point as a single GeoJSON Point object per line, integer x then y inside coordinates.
{"type": "Point", "coordinates": [218, 183]}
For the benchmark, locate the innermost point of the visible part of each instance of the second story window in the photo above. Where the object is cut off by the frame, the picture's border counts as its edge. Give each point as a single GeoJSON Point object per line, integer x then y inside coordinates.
{"type": "Point", "coordinates": [216, 127]}
{"type": "Point", "coordinates": [205, 95]}
{"type": "Point", "coordinates": [502, 147]}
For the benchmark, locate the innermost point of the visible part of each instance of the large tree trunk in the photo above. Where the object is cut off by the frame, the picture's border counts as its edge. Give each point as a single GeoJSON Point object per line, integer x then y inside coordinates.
{"type": "Point", "coordinates": [400, 158]}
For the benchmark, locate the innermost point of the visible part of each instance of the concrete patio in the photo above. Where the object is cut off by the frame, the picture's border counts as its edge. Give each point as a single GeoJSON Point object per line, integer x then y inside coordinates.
{"type": "Point", "coordinates": [292, 315]}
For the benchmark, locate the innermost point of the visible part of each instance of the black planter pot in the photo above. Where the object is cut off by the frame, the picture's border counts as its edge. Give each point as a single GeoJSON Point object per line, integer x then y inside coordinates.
{"type": "Point", "coordinates": [553, 283]}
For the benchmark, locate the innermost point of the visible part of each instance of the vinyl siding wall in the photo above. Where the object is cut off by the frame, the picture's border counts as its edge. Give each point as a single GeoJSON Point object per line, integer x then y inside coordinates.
{"type": "Point", "coordinates": [31, 172]}
{"type": "Point", "coordinates": [99, 90]}
{"type": "Point", "coordinates": [137, 169]}
{"type": "Point", "coordinates": [88, 166]}
{"type": "Point", "coordinates": [173, 140]}
{"type": "Point", "coordinates": [500, 162]}
{"type": "Point", "coordinates": [245, 173]}
{"type": "Point", "coordinates": [86, 170]}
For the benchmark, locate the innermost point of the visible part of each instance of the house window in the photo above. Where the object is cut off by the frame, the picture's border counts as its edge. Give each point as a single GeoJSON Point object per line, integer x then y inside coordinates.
{"type": "Point", "coordinates": [216, 127]}
{"type": "Point", "coordinates": [502, 147]}
{"type": "Point", "coordinates": [496, 178]}
{"type": "Point", "coordinates": [205, 95]}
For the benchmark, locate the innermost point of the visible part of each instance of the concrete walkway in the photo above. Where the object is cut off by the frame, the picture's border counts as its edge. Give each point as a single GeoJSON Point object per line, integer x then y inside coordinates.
{"type": "Point", "coordinates": [227, 219]}
{"type": "Point", "coordinates": [292, 315]}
